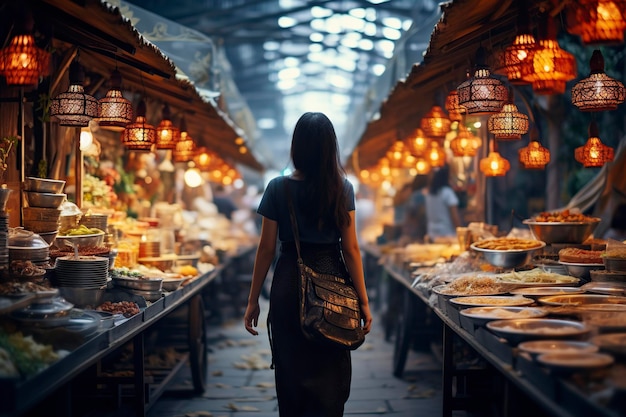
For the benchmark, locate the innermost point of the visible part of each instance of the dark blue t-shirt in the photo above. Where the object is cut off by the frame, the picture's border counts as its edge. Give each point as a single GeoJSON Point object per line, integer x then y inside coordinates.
{"type": "Point", "coordinates": [274, 206]}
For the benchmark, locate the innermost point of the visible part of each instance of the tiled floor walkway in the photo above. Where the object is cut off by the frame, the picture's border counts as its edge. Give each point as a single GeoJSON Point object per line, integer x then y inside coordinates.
{"type": "Point", "coordinates": [241, 384]}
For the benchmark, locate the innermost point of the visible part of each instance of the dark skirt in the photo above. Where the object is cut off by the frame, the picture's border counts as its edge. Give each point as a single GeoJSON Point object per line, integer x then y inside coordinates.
{"type": "Point", "coordinates": [311, 380]}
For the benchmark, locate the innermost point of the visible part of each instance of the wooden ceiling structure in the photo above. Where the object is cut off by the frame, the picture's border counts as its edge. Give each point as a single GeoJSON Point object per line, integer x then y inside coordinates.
{"type": "Point", "coordinates": [105, 40]}
{"type": "Point", "coordinates": [465, 25]}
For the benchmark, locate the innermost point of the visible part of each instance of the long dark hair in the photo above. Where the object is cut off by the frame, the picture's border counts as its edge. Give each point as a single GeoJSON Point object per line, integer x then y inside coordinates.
{"type": "Point", "coordinates": [439, 180]}
{"type": "Point", "coordinates": [315, 154]}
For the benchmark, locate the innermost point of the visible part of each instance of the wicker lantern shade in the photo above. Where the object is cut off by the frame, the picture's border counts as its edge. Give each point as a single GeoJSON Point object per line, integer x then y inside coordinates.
{"type": "Point", "coordinates": [494, 165]}
{"type": "Point", "coordinates": [534, 156]}
{"type": "Point", "coordinates": [74, 107]}
{"type": "Point", "coordinates": [598, 92]}
{"type": "Point", "coordinates": [435, 124]}
{"type": "Point", "coordinates": [455, 110]}
{"type": "Point", "coordinates": [597, 21]}
{"type": "Point", "coordinates": [422, 166]}
{"type": "Point", "coordinates": [436, 155]}
{"type": "Point", "coordinates": [166, 133]}
{"type": "Point", "coordinates": [465, 143]}
{"type": "Point", "coordinates": [482, 93]}
{"type": "Point", "coordinates": [508, 123]}
{"type": "Point", "coordinates": [139, 135]}
{"type": "Point", "coordinates": [594, 153]}
{"type": "Point", "coordinates": [185, 148]}
{"type": "Point", "coordinates": [204, 159]}
{"type": "Point", "coordinates": [114, 111]}
{"type": "Point", "coordinates": [551, 67]}
{"type": "Point", "coordinates": [22, 62]}
{"type": "Point", "coordinates": [399, 155]}
{"type": "Point", "coordinates": [417, 143]}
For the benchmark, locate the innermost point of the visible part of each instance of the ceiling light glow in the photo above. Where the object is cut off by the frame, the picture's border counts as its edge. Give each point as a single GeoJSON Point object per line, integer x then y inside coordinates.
{"type": "Point", "coordinates": [319, 12]}
{"type": "Point", "coordinates": [286, 22]}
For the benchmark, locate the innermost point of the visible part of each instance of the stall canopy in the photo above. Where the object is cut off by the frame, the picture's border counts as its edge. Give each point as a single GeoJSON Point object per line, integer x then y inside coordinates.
{"type": "Point", "coordinates": [105, 40]}
{"type": "Point", "coordinates": [463, 27]}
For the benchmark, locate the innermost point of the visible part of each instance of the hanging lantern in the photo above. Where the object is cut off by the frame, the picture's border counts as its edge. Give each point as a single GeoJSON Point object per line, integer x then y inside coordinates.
{"type": "Point", "coordinates": [139, 135]}
{"type": "Point", "coordinates": [597, 21]}
{"type": "Point", "coordinates": [74, 107]}
{"type": "Point", "coordinates": [204, 159]}
{"type": "Point", "coordinates": [598, 92]}
{"type": "Point", "coordinates": [534, 156]}
{"type": "Point", "coordinates": [435, 124]}
{"type": "Point", "coordinates": [114, 111]}
{"type": "Point", "coordinates": [455, 110]}
{"type": "Point", "coordinates": [482, 93]}
{"type": "Point", "coordinates": [435, 155]}
{"type": "Point", "coordinates": [465, 143]}
{"type": "Point", "coordinates": [166, 133]}
{"type": "Point", "coordinates": [494, 165]}
{"type": "Point", "coordinates": [594, 153]}
{"type": "Point", "coordinates": [22, 62]}
{"type": "Point", "coordinates": [417, 143]}
{"type": "Point", "coordinates": [551, 66]}
{"type": "Point", "coordinates": [508, 123]}
{"type": "Point", "coordinates": [422, 166]}
{"type": "Point", "coordinates": [514, 56]}
{"type": "Point", "coordinates": [399, 156]}
{"type": "Point", "coordinates": [185, 148]}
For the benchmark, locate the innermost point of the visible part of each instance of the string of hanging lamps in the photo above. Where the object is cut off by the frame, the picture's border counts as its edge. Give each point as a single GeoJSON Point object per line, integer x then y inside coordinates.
{"type": "Point", "coordinates": [511, 60]}
{"type": "Point", "coordinates": [598, 92]}
{"type": "Point", "coordinates": [534, 155]}
{"type": "Point", "coordinates": [435, 124]}
{"type": "Point", "coordinates": [597, 21]}
{"type": "Point", "coordinates": [548, 67]}
{"type": "Point", "coordinates": [465, 143]}
{"type": "Point", "coordinates": [22, 62]}
{"type": "Point", "coordinates": [114, 111]}
{"type": "Point", "coordinates": [455, 110]}
{"type": "Point", "coordinates": [594, 153]}
{"type": "Point", "coordinates": [139, 135]}
{"type": "Point", "coordinates": [185, 148]}
{"type": "Point", "coordinates": [494, 165]}
{"type": "Point", "coordinates": [74, 107]}
{"type": "Point", "coordinates": [509, 123]}
{"type": "Point", "coordinates": [167, 135]}
{"type": "Point", "coordinates": [482, 93]}
{"type": "Point", "coordinates": [417, 143]}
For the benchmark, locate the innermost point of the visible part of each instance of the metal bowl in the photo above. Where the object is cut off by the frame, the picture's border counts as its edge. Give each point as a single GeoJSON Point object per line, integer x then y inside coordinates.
{"type": "Point", "coordinates": [83, 241]}
{"type": "Point", "coordinates": [562, 232]}
{"type": "Point", "coordinates": [507, 258]}
{"type": "Point", "coordinates": [83, 297]}
{"type": "Point", "coordinates": [48, 236]}
{"type": "Point", "coordinates": [43, 185]}
{"type": "Point", "coordinates": [48, 200]}
{"type": "Point", "coordinates": [142, 284]}
{"type": "Point", "coordinates": [582, 271]}
{"type": "Point", "coordinates": [615, 264]}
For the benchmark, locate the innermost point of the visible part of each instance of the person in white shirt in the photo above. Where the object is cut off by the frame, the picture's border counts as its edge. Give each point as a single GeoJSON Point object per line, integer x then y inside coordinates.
{"type": "Point", "coordinates": [442, 203]}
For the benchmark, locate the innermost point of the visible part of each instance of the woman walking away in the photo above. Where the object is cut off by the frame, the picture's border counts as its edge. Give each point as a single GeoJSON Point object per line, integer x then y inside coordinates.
{"type": "Point", "coordinates": [312, 380]}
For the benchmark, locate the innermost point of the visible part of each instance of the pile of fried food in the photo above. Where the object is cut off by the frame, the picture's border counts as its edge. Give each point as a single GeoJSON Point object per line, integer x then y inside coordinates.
{"type": "Point", "coordinates": [508, 243]}
{"type": "Point", "coordinates": [472, 285]}
{"type": "Point", "coordinates": [563, 216]}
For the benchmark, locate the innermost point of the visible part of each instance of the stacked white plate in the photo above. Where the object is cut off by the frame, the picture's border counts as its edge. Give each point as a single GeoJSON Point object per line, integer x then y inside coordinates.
{"type": "Point", "coordinates": [81, 271]}
{"type": "Point", "coordinates": [4, 241]}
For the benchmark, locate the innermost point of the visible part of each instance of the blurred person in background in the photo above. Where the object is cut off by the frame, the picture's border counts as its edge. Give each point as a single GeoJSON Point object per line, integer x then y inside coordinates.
{"type": "Point", "coordinates": [442, 203]}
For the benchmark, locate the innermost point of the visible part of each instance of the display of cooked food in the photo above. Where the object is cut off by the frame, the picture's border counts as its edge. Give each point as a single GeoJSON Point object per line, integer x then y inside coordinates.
{"type": "Point", "coordinates": [566, 215]}
{"type": "Point", "coordinates": [80, 231]}
{"type": "Point", "coordinates": [26, 269]}
{"type": "Point", "coordinates": [580, 256]}
{"type": "Point", "coordinates": [617, 253]}
{"type": "Point", "coordinates": [126, 308]}
{"type": "Point", "coordinates": [23, 287]}
{"type": "Point", "coordinates": [471, 285]}
{"type": "Point", "coordinates": [508, 243]}
{"type": "Point", "coordinates": [535, 276]}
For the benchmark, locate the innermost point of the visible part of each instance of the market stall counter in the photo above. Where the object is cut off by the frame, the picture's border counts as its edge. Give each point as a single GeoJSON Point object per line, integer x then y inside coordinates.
{"type": "Point", "coordinates": [111, 361]}
{"type": "Point", "coordinates": [489, 320]}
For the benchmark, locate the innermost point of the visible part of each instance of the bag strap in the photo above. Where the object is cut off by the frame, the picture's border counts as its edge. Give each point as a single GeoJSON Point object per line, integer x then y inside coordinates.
{"type": "Point", "coordinates": [292, 217]}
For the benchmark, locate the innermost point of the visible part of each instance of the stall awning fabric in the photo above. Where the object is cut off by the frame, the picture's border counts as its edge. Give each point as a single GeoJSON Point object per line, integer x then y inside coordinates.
{"type": "Point", "coordinates": [464, 26]}
{"type": "Point", "coordinates": [106, 40]}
